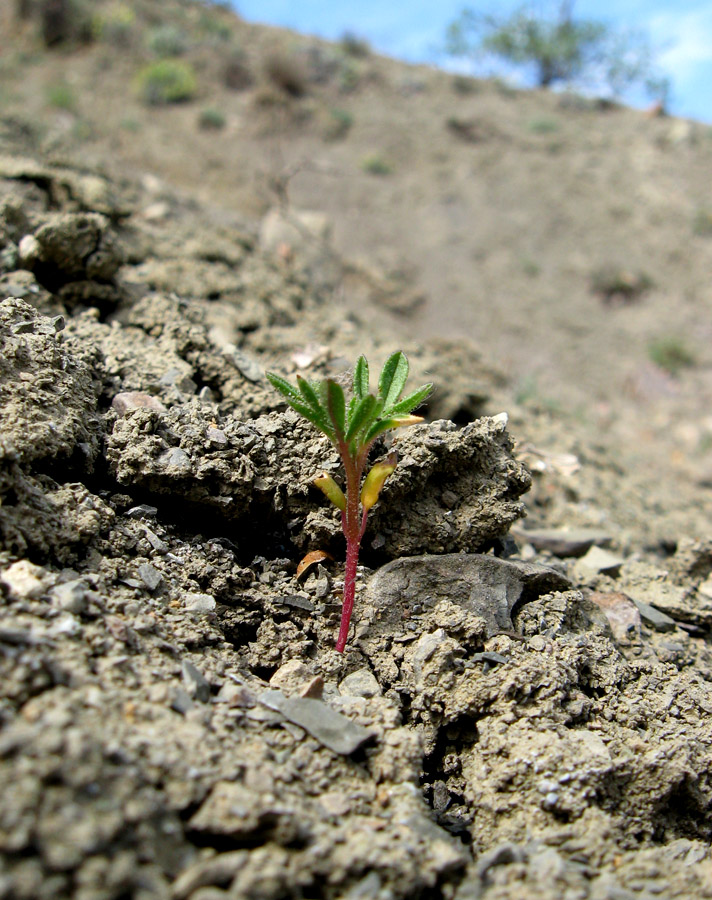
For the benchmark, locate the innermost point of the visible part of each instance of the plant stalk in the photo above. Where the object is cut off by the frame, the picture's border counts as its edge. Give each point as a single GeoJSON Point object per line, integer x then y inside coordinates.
{"type": "Point", "coordinates": [353, 524]}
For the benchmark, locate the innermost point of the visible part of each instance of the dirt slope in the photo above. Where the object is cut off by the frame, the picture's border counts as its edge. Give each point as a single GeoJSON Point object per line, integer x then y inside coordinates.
{"type": "Point", "coordinates": [523, 707]}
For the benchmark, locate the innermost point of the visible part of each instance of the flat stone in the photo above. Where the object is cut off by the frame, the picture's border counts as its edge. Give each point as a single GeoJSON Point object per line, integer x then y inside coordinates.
{"type": "Point", "coordinates": [653, 618]}
{"type": "Point", "coordinates": [328, 726]}
{"type": "Point", "coordinates": [195, 682]}
{"type": "Point", "coordinates": [602, 561]}
{"type": "Point", "coordinates": [563, 542]}
{"type": "Point", "coordinates": [484, 585]}
{"type": "Point", "coordinates": [200, 603]}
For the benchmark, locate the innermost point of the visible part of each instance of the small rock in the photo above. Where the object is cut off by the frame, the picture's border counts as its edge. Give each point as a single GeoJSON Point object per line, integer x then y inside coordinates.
{"type": "Point", "coordinates": [25, 580]}
{"type": "Point", "coordinates": [142, 511]}
{"type": "Point", "coordinates": [314, 689]}
{"type": "Point", "coordinates": [151, 577]}
{"type": "Point", "coordinates": [127, 401]}
{"type": "Point", "coordinates": [248, 366]}
{"type": "Point", "coordinates": [563, 542]}
{"type": "Point", "coordinates": [195, 682]}
{"type": "Point", "coordinates": [322, 722]}
{"type": "Point", "coordinates": [601, 561]}
{"type": "Point", "coordinates": [179, 379]}
{"type": "Point", "coordinates": [622, 614]}
{"type": "Point", "coordinates": [72, 596]}
{"type": "Point", "coordinates": [217, 870]}
{"type": "Point", "coordinates": [182, 702]}
{"type": "Point", "coordinates": [292, 676]}
{"type": "Point", "coordinates": [361, 683]}
{"type": "Point", "coordinates": [176, 459]}
{"type": "Point", "coordinates": [200, 603]}
{"type": "Point", "coordinates": [216, 437]}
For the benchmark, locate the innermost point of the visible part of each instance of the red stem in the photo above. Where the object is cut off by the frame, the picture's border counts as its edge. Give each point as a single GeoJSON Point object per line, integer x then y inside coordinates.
{"type": "Point", "coordinates": [353, 525]}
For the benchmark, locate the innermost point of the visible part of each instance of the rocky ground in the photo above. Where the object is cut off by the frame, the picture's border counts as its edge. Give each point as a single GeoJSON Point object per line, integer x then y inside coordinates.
{"type": "Point", "coordinates": [521, 710]}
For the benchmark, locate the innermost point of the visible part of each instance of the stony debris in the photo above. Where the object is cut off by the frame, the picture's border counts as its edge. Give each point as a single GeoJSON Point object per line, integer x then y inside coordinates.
{"type": "Point", "coordinates": [174, 720]}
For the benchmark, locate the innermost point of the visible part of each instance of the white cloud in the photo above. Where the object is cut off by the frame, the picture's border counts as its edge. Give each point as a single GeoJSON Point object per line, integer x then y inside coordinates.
{"type": "Point", "coordinates": [686, 41]}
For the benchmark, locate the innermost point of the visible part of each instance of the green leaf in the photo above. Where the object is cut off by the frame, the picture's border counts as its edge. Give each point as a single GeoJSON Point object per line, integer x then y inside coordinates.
{"type": "Point", "coordinates": [308, 392]}
{"type": "Point", "coordinates": [412, 401]}
{"type": "Point", "coordinates": [393, 378]}
{"type": "Point", "coordinates": [382, 425]}
{"type": "Point", "coordinates": [361, 416]}
{"type": "Point", "coordinates": [283, 386]}
{"type": "Point", "coordinates": [336, 404]}
{"type": "Point", "coordinates": [361, 378]}
{"type": "Point", "coordinates": [316, 417]}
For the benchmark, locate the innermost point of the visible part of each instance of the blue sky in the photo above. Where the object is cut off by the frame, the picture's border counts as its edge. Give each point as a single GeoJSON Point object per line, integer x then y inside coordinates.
{"type": "Point", "coordinates": [413, 29]}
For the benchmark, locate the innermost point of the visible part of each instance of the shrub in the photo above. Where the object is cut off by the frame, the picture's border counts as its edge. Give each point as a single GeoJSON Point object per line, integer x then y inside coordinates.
{"type": "Point", "coordinates": [542, 126]}
{"type": "Point", "coordinates": [338, 124]}
{"type": "Point", "coordinates": [211, 119]}
{"type": "Point", "coordinates": [61, 96]}
{"type": "Point", "coordinates": [616, 285]}
{"type": "Point", "coordinates": [115, 27]}
{"type": "Point", "coordinates": [670, 353]}
{"type": "Point", "coordinates": [375, 164]}
{"type": "Point", "coordinates": [167, 81]}
{"type": "Point", "coordinates": [167, 40]}
{"type": "Point", "coordinates": [352, 45]}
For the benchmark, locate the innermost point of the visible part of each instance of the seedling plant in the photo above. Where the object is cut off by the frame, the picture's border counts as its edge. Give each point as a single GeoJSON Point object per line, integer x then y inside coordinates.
{"type": "Point", "coordinates": [352, 427]}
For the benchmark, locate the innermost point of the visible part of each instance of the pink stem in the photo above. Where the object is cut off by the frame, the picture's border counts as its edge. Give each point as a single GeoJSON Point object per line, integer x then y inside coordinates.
{"type": "Point", "coordinates": [353, 524]}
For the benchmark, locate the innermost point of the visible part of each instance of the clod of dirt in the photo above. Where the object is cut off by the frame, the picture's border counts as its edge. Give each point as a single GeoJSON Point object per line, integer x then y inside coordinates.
{"type": "Point", "coordinates": [49, 388]}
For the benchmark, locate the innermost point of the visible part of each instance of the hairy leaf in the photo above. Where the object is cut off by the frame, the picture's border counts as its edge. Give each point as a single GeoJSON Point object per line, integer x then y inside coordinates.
{"type": "Point", "coordinates": [361, 378]}
{"type": "Point", "coordinates": [308, 392]}
{"type": "Point", "coordinates": [283, 386]}
{"type": "Point", "coordinates": [412, 401]}
{"type": "Point", "coordinates": [336, 404]}
{"type": "Point", "coordinates": [393, 378]}
{"type": "Point", "coordinates": [361, 416]}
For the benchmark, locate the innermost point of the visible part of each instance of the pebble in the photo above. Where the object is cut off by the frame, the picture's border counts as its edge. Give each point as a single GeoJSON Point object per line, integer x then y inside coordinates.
{"type": "Point", "coordinates": [361, 683]}
{"type": "Point", "coordinates": [127, 401]}
{"type": "Point", "coordinates": [654, 618]}
{"type": "Point", "coordinates": [151, 577]}
{"type": "Point", "coordinates": [142, 511]}
{"type": "Point", "coordinates": [599, 560]}
{"type": "Point", "coordinates": [72, 596]}
{"type": "Point", "coordinates": [25, 580]}
{"type": "Point", "coordinates": [195, 682]}
{"type": "Point", "coordinates": [200, 603]}
{"type": "Point", "coordinates": [175, 458]}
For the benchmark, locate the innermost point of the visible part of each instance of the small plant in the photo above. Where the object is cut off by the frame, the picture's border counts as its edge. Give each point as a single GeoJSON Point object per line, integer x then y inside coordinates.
{"type": "Point", "coordinates": [670, 353]}
{"type": "Point", "coordinates": [167, 81]}
{"type": "Point", "coordinates": [702, 222]}
{"type": "Point", "coordinates": [375, 164]}
{"type": "Point", "coordinates": [338, 124]}
{"type": "Point", "coordinates": [211, 119]}
{"type": "Point", "coordinates": [167, 40]}
{"type": "Point", "coordinates": [542, 126]}
{"type": "Point", "coordinates": [61, 96]}
{"type": "Point", "coordinates": [352, 429]}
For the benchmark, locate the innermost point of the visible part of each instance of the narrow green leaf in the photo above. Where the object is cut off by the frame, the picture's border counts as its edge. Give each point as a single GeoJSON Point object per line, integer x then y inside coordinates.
{"type": "Point", "coordinates": [283, 386]}
{"type": "Point", "coordinates": [336, 404]}
{"type": "Point", "coordinates": [393, 378]}
{"type": "Point", "coordinates": [382, 425]}
{"type": "Point", "coordinates": [308, 392]}
{"type": "Point", "coordinates": [361, 378]}
{"type": "Point", "coordinates": [412, 401]}
{"type": "Point", "coordinates": [360, 416]}
{"type": "Point", "coordinates": [316, 417]}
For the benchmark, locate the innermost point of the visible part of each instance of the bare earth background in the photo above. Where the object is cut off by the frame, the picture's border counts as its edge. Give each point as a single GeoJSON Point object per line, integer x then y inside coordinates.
{"type": "Point", "coordinates": [523, 708]}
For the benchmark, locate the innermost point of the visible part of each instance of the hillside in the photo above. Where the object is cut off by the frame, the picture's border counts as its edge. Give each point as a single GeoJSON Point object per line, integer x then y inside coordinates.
{"type": "Point", "coordinates": [187, 200]}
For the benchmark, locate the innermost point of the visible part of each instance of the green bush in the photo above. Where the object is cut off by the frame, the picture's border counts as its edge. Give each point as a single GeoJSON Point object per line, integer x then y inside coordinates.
{"type": "Point", "coordinates": [671, 353]}
{"type": "Point", "coordinates": [211, 119]}
{"type": "Point", "coordinates": [375, 164]}
{"type": "Point", "coordinates": [116, 26]}
{"type": "Point", "coordinates": [167, 81]}
{"type": "Point", "coordinates": [61, 96]}
{"type": "Point", "coordinates": [542, 126]}
{"type": "Point", "coordinates": [338, 124]}
{"type": "Point", "coordinates": [167, 40]}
